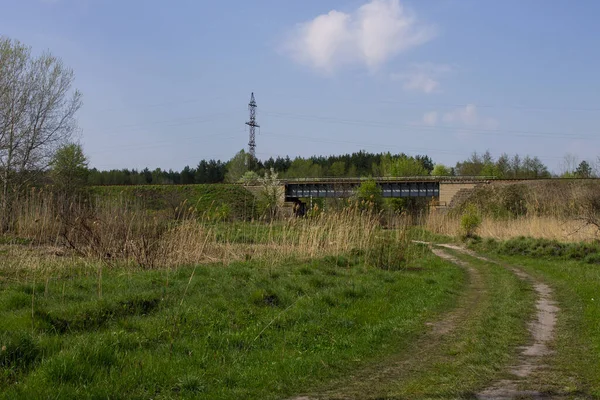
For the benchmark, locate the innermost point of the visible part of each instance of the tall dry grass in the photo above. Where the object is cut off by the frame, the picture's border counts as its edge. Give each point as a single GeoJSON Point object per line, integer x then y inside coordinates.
{"type": "Point", "coordinates": [564, 210]}
{"type": "Point", "coordinates": [117, 231]}
{"type": "Point", "coordinates": [545, 227]}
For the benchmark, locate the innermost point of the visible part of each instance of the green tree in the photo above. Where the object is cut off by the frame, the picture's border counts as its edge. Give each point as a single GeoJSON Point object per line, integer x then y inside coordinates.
{"type": "Point", "coordinates": [402, 165]}
{"type": "Point", "coordinates": [337, 169]}
{"type": "Point", "coordinates": [534, 168]}
{"type": "Point", "coordinates": [147, 175]}
{"type": "Point", "coordinates": [584, 170]}
{"type": "Point", "coordinates": [187, 175]}
{"type": "Point", "coordinates": [250, 178]}
{"type": "Point", "coordinates": [471, 166]}
{"type": "Point", "coordinates": [237, 167]}
{"type": "Point", "coordinates": [69, 168]}
{"type": "Point", "coordinates": [271, 197]}
{"type": "Point", "coordinates": [441, 170]}
{"type": "Point", "coordinates": [302, 168]}
{"type": "Point", "coordinates": [503, 166]}
{"type": "Point", "coordinates": [352, 172]}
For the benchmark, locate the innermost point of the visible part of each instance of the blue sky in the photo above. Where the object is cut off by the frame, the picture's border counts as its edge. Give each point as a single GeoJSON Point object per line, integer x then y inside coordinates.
{"type": "Point", "coordinates": [166, 84]}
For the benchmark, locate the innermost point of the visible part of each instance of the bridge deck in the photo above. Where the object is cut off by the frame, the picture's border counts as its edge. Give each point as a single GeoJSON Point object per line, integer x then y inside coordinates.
{"type": "Point", "coordinates": [416, 186]}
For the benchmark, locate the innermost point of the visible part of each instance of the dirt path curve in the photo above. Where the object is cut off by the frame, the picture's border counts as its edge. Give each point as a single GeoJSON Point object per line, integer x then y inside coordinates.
{"type": "Point", "coordinates": [394, 368]}
{"type": "Point", "coordinates": [542, 332]}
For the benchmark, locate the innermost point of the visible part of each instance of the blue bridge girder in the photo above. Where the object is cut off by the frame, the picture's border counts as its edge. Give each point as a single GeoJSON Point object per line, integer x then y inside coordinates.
{"type": "Point", "coordinates": [340, 188]}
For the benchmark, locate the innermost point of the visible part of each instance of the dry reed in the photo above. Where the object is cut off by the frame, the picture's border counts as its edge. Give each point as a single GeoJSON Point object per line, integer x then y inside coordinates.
{"type": "Point", "coordinates": [119, 232]}
{"type": "Point", "coordinates": [545, 227]}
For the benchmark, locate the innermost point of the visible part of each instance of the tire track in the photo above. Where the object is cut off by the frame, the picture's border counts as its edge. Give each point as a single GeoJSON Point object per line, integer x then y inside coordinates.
{"type": "Point", "coordinates": [541, 327]}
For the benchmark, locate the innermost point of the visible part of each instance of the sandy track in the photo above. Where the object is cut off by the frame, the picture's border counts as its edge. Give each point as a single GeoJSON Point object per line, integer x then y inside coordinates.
{"type": "Point", "coordinates": [541, 327]}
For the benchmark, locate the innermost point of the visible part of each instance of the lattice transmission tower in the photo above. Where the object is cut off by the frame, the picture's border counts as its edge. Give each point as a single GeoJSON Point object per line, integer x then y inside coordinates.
{"type": "Point", "coordinates": [253, 125]}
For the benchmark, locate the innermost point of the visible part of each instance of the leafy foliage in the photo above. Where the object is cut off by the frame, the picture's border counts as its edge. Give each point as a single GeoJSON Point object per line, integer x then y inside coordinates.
{"type": "Point", "coordinates": [470, 222]}
{"type": "Point", "coordinates": [370, 195]}
{"type": "Point", "coordinates": [69, 168]}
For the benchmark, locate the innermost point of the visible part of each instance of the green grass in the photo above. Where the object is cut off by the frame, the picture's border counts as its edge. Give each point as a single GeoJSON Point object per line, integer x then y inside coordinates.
{"type": "Point", "coordinates": [490, 326]}
{"type": "Point", "coordinates": [7, 240]}
{"type": "Point", "coordinates": [244, 232]}
{"type": "Point", "coordinates": [577, 290]}
{"type": "Point", "coordinates": [423, 235]}
{"type": "Point", "coordinates": [481, 348]}
{"type": "Point", "coordinates": [220, 201]}
{"type": "Point", "coordinates": [240, 331]}
{"type": "Point", "coordinates": [545, 248]}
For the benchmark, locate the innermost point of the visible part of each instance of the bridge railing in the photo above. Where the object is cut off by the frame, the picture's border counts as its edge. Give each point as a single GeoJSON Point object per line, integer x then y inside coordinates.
{"type": "Point", "coordinates": [388, 179]}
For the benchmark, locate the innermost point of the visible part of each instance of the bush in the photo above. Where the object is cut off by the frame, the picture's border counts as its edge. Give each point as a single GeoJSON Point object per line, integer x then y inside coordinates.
{"type": "Point", "coordinates": [514, 199]}
{"type": "Point", "coordinates": [470, 222]}
{"type": "Point", "coordinates": [369, 196]}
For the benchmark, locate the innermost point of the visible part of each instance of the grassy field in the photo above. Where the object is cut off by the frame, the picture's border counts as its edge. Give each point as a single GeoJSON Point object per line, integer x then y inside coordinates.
{"type": "Point", "coordinates": [115, 299]}
{"type": "Point", "coordinates": [244, 330]}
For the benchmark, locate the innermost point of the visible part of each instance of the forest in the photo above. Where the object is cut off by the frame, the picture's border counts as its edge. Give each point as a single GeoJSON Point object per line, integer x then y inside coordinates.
{"type": "Point", "coordinates": [358, 164]}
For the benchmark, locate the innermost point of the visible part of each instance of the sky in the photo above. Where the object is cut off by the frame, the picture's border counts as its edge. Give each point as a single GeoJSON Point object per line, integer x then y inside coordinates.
{"type": "Point", "coordinates": [167, 84]}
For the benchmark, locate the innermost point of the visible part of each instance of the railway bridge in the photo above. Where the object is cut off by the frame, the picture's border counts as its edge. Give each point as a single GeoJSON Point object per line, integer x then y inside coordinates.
{"type": "Point", "coordinates": [440, 189]}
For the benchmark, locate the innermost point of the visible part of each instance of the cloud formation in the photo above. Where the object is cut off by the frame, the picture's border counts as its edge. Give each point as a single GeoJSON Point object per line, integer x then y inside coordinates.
{"type": "Point", "coordinates": [369, 36]}
{"type": "Point", "coordinates": [423, 77]}
{"type": "Point", "coordinates": [465, 117]}
{"type": "Point", "coordinates": [430, 118]}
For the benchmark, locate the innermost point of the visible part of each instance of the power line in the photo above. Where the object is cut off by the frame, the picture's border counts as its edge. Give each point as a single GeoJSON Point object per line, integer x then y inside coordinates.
{"type": "Point", "coordinates": [387, 101]}
{"type": "Point", "coordinates": [161, 143]}
{"type": "Point", "coordinates": [157, 105]}
{"type": "Point", "coordinates": [376, 124]}
{"type": "Point", "coordinates": [167, 123]}
{"type": "Point", "coordinates": [498, 106]}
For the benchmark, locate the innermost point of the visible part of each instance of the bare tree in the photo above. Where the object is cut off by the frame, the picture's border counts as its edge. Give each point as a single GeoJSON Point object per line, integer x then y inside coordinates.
{"type": "Point", "coordinates": [37, 115]}
{"type": "Point", "coordinates": [569, 165]}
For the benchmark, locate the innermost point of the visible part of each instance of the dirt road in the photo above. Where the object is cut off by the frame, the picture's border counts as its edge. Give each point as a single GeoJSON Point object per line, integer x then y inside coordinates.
{"type": "Point", "coordinates": [517, 381]}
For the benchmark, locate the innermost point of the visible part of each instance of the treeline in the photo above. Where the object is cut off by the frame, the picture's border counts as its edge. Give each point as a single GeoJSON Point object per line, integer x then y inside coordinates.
{"type": "Point", "coordinates": [241, 165]}
{"type": "Point", "coordinates": [359, 164]}
{"type": "Point", "coordinates": [206, 172]}
{"type": "Point", "coordinates": [507, 167]}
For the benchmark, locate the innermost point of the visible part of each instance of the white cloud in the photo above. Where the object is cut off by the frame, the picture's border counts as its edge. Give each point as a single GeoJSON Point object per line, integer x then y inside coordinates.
{"type": "Point", "coordinates": [467, 116]}
{"type": "Point", "coordinates": [463, 117]}
{"type": "Point", "coordinates": [422, 77]}
{"type": "Point", "coordinates": [430, 118]}
{"type": "Point", "coordinates": [369, 36]}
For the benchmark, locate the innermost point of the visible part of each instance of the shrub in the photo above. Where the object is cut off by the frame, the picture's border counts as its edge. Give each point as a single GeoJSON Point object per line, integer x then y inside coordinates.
{"type": "Point", "coordinates": [514, 199]}
{"type": "Point", "coordinates": [470, 222]}
{"type": "Point", "coordinates": [369, 196]}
